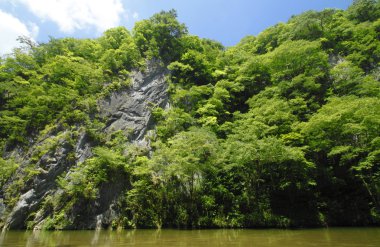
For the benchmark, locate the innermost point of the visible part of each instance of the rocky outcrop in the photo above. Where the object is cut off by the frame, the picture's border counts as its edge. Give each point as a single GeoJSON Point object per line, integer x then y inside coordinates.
{"type": "Point", "coordinates": [48, 168]}
{"type": "Point", "coordinates": [128, 110]}
{"type": "Point", "coordinates": [131, 111]}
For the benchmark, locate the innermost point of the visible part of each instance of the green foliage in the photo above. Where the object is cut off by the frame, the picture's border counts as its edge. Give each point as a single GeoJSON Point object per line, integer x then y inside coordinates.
{"type": "Point", "coordinates": [159, 36]}
{"type": "Point", "coordinates": [343, 136]}
{"type": "Point", "coordinates": [173, 121]}
{"type": "Point", "coordinates": [296, 57]}
{"type": "Point", "coordinates": [119, 52]}
{"type": "Point", "coordinates": [7, 168]}
{"type": "Point", "coordinates": [344, 121]}
{"type": "Point", "coordinates": [310, 25]}
{"type": "Point", "coordinates": [280, 130]}
{"type": "Point", "coordinates": [145, 199]}
{"type": "Point", "coordinates": [364, 10]}
{"type": "Point", "coordinates": [84, 181]}
{"type": "Point", "coordinates": [185, 162]}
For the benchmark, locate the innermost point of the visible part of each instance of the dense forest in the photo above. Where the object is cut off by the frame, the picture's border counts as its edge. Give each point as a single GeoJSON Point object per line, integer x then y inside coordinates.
{"type": "Point", "coordinates": [281, 130]}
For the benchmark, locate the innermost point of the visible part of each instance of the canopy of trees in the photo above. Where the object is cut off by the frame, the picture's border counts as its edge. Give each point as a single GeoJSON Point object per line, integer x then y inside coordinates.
{"type": "Point", "coordinates": [280, 130]}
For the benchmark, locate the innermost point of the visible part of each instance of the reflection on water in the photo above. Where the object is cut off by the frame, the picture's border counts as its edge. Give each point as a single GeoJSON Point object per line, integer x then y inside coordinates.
{"type": "Point", "coordinates": [335, 237]}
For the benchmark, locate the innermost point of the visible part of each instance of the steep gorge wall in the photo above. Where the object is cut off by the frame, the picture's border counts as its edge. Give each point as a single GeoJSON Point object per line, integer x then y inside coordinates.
{"type": "Point", "coordinates": [128, 110]}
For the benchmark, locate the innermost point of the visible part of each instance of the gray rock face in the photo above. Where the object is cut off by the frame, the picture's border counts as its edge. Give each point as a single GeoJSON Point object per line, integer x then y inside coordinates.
{"type": "Point", "coordinates": [50, 166]}
{"type": "Point", "coordinates": [129, 111]}
{"type": "Point", "coordinates": [26, 203]}
{"type": "Point", "coordinates": [2, 207]}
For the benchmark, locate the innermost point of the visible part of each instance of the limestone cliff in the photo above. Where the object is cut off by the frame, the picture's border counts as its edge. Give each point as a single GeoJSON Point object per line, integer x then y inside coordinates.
{"type": "Point", "coordinates": [128, 110]}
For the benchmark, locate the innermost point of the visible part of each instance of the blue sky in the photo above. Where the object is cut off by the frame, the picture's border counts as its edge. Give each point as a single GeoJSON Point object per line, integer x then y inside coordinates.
{"type": "Point", "coordinates": [222, 20]}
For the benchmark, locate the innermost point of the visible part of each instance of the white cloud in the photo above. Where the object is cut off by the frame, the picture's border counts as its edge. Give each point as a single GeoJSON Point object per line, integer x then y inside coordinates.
{"type": "Point", "coordinates": [71, 15]}
{"type": "Point", "coordinates": [135, 15]}
{"type": "Point", "coordinates": [11, 28]}
{"type": "Point", "coordinates": [34, 29]}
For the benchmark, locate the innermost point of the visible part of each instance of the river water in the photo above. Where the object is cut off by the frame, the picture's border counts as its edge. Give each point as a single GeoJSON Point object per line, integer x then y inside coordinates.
{"type": "Point", "coordinates": [334, 237]}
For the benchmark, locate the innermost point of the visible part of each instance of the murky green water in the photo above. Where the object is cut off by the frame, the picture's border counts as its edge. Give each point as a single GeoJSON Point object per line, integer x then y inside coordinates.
{"type": "Point", "coordinates": [336, 237]}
